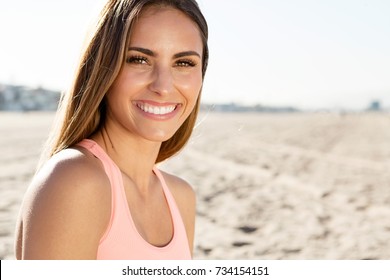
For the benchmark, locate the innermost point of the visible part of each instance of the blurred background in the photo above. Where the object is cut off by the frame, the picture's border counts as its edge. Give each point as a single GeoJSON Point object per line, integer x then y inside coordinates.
{"type": "Point", "coordinates": [291, 154]}
{"type": "Point", "coordinates": [331, 54]}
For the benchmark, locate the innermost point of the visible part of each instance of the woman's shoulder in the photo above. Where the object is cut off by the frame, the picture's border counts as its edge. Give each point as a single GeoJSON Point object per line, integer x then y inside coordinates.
{"type": "Point", "coordinates": [73, 174]}
{"type": "Point", "coordinates": [179, 187]}
{"type": "Point", "coordinates": [183, 194]}
{"type": "Point", "coordinates": [68, 202]}
{"type": "Point", "coordinates": [73, 168]}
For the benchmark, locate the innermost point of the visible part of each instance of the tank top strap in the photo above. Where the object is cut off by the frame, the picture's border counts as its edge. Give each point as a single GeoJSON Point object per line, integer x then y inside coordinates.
{"type": "Point", "coordinates": [179, 228]}
{"type": "Point", "coordinates": [119, 208]}
{"type": "Point", "coordinates": [168, 195]}
{"type": "Point", "coordinates": [98, 152]}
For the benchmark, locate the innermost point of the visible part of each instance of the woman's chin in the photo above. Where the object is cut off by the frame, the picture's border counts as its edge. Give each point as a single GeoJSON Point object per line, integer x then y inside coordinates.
{"type": "Point", "coordinates": [159, 136]}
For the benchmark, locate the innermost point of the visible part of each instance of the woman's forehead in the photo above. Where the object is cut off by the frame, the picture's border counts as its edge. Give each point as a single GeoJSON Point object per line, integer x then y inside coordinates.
{"type": "Point", "coordinates": [157, 25]}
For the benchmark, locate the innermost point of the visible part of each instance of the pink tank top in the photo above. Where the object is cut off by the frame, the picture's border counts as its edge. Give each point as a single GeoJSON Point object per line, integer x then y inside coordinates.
{"type": "Point", "coordinates": [122, 241]}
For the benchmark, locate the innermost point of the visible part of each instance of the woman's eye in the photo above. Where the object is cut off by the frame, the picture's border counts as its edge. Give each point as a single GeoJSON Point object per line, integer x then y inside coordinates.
{"type": "Point", "coordinates": [137, 60]}
{"type": "Point", "coordinates": [185, 63]}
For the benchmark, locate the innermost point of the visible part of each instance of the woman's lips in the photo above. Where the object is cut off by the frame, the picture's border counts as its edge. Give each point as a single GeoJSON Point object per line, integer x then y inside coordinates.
{"type": "Point", "coordinates": [157, 110]}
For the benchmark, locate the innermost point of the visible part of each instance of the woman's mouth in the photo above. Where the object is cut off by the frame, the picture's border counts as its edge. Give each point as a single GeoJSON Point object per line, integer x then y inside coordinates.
{"type": "Point", "coordinates": [157, 110]}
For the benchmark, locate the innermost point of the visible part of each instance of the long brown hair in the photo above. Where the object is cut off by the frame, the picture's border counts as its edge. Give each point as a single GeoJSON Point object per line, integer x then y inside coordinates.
{"type": "Point", "coordinates": [82, 109]}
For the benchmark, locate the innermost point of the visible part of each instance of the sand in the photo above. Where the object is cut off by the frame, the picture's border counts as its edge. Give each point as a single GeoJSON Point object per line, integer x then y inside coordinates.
{"type": "Point", "coordinates": [269, 186]}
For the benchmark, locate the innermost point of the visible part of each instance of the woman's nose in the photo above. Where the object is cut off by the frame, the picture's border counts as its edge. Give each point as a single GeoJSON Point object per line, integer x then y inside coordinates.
{"type": "Point", "coordinates": [162, 80]}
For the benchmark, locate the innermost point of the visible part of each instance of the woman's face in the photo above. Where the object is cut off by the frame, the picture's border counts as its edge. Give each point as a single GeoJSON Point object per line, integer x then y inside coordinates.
{"type": "Point", "coordinates": [161, 77]}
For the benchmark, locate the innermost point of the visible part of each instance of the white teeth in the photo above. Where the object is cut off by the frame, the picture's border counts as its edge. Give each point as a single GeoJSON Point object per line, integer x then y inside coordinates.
{"type": "Point", "coordinates": [156, 110]}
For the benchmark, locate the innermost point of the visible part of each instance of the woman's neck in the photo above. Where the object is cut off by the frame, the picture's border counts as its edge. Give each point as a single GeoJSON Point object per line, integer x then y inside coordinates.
{"type": "Point", "coordinates": [133, 155]}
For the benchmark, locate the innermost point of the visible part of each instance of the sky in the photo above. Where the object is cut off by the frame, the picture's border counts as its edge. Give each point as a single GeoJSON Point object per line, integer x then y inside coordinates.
{"type": "Point", "coordinates": [311, 54]}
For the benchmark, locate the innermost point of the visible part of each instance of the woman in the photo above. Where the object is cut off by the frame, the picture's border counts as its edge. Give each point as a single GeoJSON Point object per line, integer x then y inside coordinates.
{"type": "Point", "coordinates": [133, 104]}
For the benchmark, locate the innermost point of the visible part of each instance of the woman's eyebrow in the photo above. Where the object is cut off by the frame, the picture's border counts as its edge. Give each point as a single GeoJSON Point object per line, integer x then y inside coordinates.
{"type": "Point", "coordinates": [186, 53]}
{"type": "Point", "coordinates": [142, 50]}
{"type": "Point", "coordinates": [151, 53]}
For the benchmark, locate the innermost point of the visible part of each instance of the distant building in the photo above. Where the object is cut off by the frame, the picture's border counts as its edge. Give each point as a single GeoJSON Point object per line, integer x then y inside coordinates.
{"type": "Point", "coordinates": [375, 106]}
{"type": "Point", "coordinates": [21, 98]}
{"type": "Point", "coordinates": [237, 108]}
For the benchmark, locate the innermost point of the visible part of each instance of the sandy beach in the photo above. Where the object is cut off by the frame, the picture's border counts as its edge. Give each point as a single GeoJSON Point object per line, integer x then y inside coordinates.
{"type": "Point", "coordinates": [269, 186]}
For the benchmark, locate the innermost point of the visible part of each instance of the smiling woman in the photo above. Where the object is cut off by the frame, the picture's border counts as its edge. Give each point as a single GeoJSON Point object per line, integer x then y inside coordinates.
{"type": "Point", "coordinates": [161, 77]}
{"type": "Point", "coordinates": [97, 193]}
